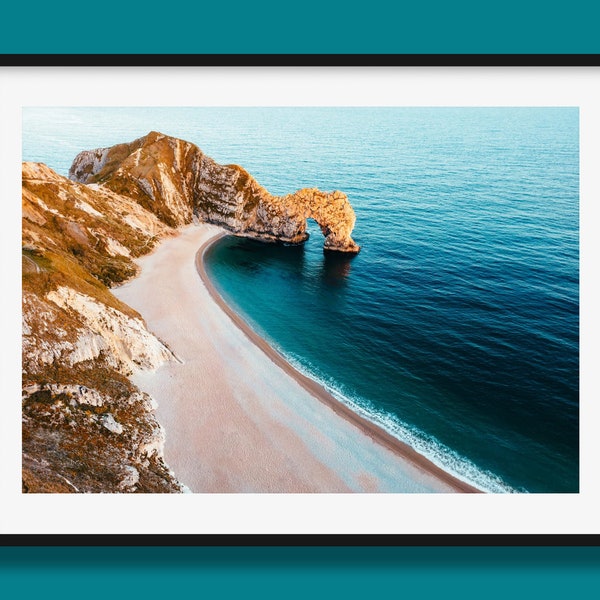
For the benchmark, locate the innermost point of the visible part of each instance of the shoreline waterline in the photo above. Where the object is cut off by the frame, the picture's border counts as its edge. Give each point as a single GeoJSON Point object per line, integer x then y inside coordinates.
{"type": "Point", "coordinates": [315, 389]}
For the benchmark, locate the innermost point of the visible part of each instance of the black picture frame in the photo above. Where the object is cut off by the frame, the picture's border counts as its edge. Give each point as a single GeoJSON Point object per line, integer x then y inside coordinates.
{"type": "Point", "coordinates": [312, 61]}
{"type": "Point", "coordinates": [300, 60]}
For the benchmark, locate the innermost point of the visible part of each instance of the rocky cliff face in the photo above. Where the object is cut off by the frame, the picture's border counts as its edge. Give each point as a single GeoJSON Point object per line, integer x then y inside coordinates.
{"type": "Point", "coordinates": [86, 428]}
{"type": "Point", "coordinates": [178, 182]}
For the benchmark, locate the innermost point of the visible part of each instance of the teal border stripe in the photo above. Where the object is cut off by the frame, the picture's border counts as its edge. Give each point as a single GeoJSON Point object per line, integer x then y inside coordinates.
{"type": "Point", "coordinates": [270, 26]}
{"type": "Point", "coordinates": [300, 573]}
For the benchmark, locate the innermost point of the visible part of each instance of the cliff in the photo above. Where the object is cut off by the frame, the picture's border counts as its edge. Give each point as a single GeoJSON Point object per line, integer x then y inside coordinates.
{"type": "Point", "coordinates": [176, 181]}
{"type": "Point", "coordinates": [86, 428]}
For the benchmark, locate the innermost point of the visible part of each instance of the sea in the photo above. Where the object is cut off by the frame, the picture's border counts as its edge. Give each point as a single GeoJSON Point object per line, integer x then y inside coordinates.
{"type": "Point", "coordinates": [456, 327]}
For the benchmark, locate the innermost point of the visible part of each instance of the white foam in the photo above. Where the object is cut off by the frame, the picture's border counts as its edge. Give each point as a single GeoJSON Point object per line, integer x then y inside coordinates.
{"type": "Point", "coordinates": [423, 443]}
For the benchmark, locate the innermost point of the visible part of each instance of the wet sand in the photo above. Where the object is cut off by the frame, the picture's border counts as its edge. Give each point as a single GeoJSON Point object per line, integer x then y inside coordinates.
{"type": "Point", "coordinates": [238, 417]}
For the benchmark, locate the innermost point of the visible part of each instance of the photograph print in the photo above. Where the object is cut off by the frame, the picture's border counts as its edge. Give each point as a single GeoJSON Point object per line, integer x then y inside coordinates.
{"type": "Point", "coordinates": [300, 299]}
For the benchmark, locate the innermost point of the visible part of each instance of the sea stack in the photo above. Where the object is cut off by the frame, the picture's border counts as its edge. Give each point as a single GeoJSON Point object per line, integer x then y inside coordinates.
{"type": "Point", "coordinates": [176, 181]}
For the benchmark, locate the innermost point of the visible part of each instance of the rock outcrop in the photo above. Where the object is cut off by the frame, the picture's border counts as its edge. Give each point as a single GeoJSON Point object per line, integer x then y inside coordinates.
{"type": "Point", "coordinates": [86, 427]}
{"type": "Point", "coordinates": [176, 181]}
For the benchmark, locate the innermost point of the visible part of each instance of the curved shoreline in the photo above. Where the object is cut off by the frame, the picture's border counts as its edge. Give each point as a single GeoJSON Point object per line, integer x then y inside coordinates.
{"type": "Point", "coordinates": [370, 429]}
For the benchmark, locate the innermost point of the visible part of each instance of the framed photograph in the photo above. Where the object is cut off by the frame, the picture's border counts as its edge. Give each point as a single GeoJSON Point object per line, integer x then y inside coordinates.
{"type": "Point", "coordinates": [300, 304]}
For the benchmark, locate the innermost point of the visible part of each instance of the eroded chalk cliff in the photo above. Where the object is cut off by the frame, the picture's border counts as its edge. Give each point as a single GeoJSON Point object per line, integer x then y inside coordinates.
{"type": "Point", "coordinates": [86, 427]}
{"type": "Point", "coordinates": [176, 181]}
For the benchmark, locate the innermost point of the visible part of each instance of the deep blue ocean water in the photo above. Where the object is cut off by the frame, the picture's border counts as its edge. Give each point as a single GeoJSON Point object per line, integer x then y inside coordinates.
{"type": "Point", "coordinates": [457, 325]}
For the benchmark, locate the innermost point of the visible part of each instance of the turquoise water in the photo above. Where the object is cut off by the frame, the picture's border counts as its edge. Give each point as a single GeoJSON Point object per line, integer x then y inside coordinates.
{"type": "Point", "coordinates": [457, 326]}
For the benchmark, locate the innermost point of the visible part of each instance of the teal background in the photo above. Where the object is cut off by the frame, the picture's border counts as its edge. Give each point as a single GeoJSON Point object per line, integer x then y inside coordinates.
{"type": "Point", "coordinates": [310, 26]}
{"type": "Point", "coordinates": [300, 572]}
{"type": "Point", "coordinates": [509, 26]}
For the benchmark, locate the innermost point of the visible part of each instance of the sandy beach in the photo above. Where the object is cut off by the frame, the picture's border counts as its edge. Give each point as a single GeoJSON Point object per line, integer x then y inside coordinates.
{"type": "Point", "coordinates": [237, 416]}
